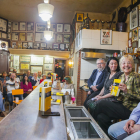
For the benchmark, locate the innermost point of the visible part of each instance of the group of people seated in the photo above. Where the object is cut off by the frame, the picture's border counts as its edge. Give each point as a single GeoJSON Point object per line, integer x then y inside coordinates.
{"type": "Point", "coordinates": [106, 108]}
{"type": "Point", "coordinates": [7, 84]}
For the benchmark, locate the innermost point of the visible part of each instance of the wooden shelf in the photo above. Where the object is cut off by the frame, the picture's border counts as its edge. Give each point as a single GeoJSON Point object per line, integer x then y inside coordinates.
{"type": "Point", "coordinates": [60, 54]}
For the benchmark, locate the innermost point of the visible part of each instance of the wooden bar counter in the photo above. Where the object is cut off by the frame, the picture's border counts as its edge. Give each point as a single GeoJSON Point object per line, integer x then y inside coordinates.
{"type": "Point", "coordinates": [26, 123]}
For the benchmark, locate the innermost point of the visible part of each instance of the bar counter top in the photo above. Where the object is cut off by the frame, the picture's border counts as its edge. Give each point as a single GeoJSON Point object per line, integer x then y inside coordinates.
{"type": "Point", "coordinates": [26, 123]}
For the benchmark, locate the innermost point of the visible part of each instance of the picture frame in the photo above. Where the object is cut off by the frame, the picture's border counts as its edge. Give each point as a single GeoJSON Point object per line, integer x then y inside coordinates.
{"type": "Point", "coordinates": [14, 45]}
{"type": "Point", "coordinates": [139, 17]}
{"type": "Point", "coordinates": [66, 47]}
{"type": "Point", "coordinates": [36, 45]}
{"type": "Point", "coordinates": [36, 60]}
{"type": "Point", "coordinates": [53, 27]}
{"type": "Point", "coordinates": [30, 36]}
{"type": "Point", "coordinates": [135, 44]}
{"type": "Point", "coordinates": [15, 36]}
{"type": "Point", "coordinates": [48, 66]}
{"type": "Point", "coordinates": [39, 37]}
{"type": "Point", "coordinates": [66, 38]}
{"type": "Point", "coordinates": [16, 60]}
{"type": "Point", "coordinates": [129, 8]}
{"type": "Point", "coordinates": [9, 24]}
{"type": "Point", "coordinates": [79, 17]}
{"type": "Point", "coordinates": [129, 43]}
{"type": "Point", "coordinates": [139, 43]}
{"type": "Point", "coordinates": [59, 28]}
{"type": "Point", "coordinates": [24, 66]}
{"type": "Point", "coordinates": [135, 34]}
{"type": "Point", "coordinates": [4, 44]}
{"type": "Point", "coordinates": [36, 69]}
{"type": "Point", "coordinates": [66, 28]}
{"type": "Point", "coordinates": [4, 35]}
{"type": "Point", "coordinates": [9, 30]}
{"type": "Point", "coordinates": [19, 45]}
{"type": "Point", "coordinates": [134, 18]}
{"type": "Point", "coordinates": [24, 45]}
{"type": "Point", "coordinates": [130, 34]}
{"type": "Point", "coordinates": [49, 60]}
{"type": "Point", "coordinates": [9, 36]}
{"type": "Point", "coordinates": [106, 37]}
{"type": "Point", "coordinates": [22, 26]}
{"type": "Point", "coordinates": [15, 26]}
{"type": "Point", "coordinates": [55, 46]}
{"type": "Point", "coordinates": [49, 46]}
{"type": "Point", "coordinates": [3, 25]}
{"type": "Point", "coordinates": [40, 27]}
{"type": "Point", "coordinates": [22, 36]}
{"type": "Point", "coordinates": [43, 45]}
{"type": "Point", "coordinates": [62, 47]}
{"type": "Point", "coordinates": [25, 59]}
{"type": "Point", "coordinates": [30, 26]}
{"type": "Point", "coordinates": [30, 45]}
{"type": "Point", "coordinates": [59, 38]}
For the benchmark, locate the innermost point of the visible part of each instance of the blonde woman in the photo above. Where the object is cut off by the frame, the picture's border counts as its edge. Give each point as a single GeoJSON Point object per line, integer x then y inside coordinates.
{"type": "Point", "coordinates": [129, 96]}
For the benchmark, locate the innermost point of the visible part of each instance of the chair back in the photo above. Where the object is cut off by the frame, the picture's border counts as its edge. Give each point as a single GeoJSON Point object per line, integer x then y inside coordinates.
{"type": "Point", "coordinates": [34, 87]}
{"type": "Point", "coordinates": [17, 92]}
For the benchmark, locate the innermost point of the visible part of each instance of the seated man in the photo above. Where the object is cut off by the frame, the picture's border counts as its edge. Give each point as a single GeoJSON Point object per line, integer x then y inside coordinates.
{"type": "Point", "coordinates": [39, 74]}
{"type": "Point", "coordinates": [43, 78]}
{"type": "Point", "coordinates": [29, 75]}
{"type": "Point", "coordinates": [96, 80]}
{"type": "Point", "coordinates": [35, 80]}
{"type": "Point", "coordinates": [12, 84]}
{"type": "Point", "coordinates": [128, 129]}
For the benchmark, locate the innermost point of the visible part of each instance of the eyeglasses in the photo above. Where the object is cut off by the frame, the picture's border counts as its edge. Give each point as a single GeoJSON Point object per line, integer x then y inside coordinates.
{"type": "Point", "coordinates": [100, 63]}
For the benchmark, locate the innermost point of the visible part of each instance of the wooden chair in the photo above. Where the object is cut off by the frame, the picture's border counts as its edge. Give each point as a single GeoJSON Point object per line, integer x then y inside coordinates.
{"type": "Point", "coordinates": [34, 87]}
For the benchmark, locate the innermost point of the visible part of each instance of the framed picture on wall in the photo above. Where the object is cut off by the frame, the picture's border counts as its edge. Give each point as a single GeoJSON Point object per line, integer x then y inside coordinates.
{"type": "Point", "coordinates": [4, 44]}
{"type": "Point", "coordinates": [30, 45]}
{"type": "Point", "coordinates": [3, 25]}
{"type": "Point", "coordinates": [43, 45]}
{"type": "Point", "coordinates": [48, 67]}
{"type": "Point", "coordinates": [40, 27]}
{"type": "Point", "coordinates": [36, 60]}
{"type": "Point", "coordinates": [30, 26]}
{"type": "Point", "coordinates": [24, 45]}
{"type": "Point", "coordinates": [79, 17]}
{"type": "Point", "coordinates": [25, 59]}
{"type": "Point", "coordinates": [22, 37]}
{"type": "Point", "coordinates": [135, 34]}
{"type": "Point", "coordinates": [29, 36]}
{"type": "Point", "coordinates": [55, 46]}
{"type": "Point", "coordinates": [66, 28]}
{"type": "Point", "coordinates": [24, 66]}
{"type": "Point", "coordinates": [134, 18]}
{"type": "Point", "coordinates": [15, 26]}
{"type": "Point", "coordinates": [19, 45]}
{"type": "Point", "coordinates": [59, 28]}
{"type": "Point", "coordinates": [53, 27]}
{"type": "Point", "coordinates": [130, 34]}
{"type": "Point", "coordinates": [40, 37]}
{"type": "Point", "coordinates": [22, 26]}
{"type": "Point", "coordinates": [3, 35]}
{"type": "Point", "coordinates": [48, 60]}
{"type": "Point", "coordinates": [130, 43]}
{"type": "Point", "coordinates": [135, 44]}
{"type": "Point", "coordinates": [14, 45]}
{"type": "Point", "coordinates": [66, 38]}
{"type": "Point", "coordinates": [59, 38]}
{"type": "Point", "coordinates": [36, 69]}
{"type": "Point", "coordinates": [62, 47]}
{"type": "Point", "coordinates": [36, 45]}
{"type": "Point", "coordinates": [9, 36]}
{"type": "Point", "coordinates": [15, 36]}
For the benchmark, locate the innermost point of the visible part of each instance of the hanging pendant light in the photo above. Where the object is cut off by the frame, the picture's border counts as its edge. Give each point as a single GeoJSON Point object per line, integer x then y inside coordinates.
{"type": "Point", "coordinates": [45, 10]}
{"type": "Point", "coordinates": [48, 35]}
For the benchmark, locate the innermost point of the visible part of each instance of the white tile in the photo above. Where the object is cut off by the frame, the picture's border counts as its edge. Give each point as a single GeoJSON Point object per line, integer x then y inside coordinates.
{"type": "Point", "coordinates": [83, 61]}
{"type": "Point", "coordinates": [115, 36]}
{"type": "Point", "coordinates": [115, 45]}
{"type": "Point", "coordinates": [105, 47]}
{"type": "Point", "coordinates": [123, 36]}
{"type": "Point", "coordinates": [84, 67]}
{"type": "Point", "coordinates": [84, 75]}
{"type": "Point", "coordinates": [86, 33]}
{"type": "Point", "coordinates": [123, 45]}
{"type": "Point", "coordinates": [96, 43]}
{"type": "Point", "coordinates": [86, 43]}
{"type": "Point", "coordinates": [96, 34]}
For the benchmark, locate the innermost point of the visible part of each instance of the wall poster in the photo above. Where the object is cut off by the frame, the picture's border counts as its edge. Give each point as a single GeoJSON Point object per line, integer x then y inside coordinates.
{"type": "Point", "coordinates": [36, 69]}
{"type": "Point", "coordinates": [16, 60]}
{"type": "Point", "coordinates": [36, 60]}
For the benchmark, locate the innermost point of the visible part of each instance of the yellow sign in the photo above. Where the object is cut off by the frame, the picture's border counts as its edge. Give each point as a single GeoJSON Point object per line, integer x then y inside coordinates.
{"type": "Point", "coordinates": [24, 66]}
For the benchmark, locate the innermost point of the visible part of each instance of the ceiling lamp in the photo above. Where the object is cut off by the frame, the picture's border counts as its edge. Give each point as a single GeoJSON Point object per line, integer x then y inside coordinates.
{"type": "Point", "coordinates": [45, 10]}
{"type": "Point", "coordinates": [48, 35]}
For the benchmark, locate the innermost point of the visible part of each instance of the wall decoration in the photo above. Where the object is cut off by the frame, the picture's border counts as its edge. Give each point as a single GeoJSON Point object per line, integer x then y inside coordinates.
{"type": "Point", "coordinates": [47, 66]}
{"type": "Point", "coordinates": [139, 38]}
{"type": "Point", "coordinates": [135, 34]}
{"type": "Point", "coordinates": [22, 26]}
{"type": "Point", "coordinates": [16, 60]}
{"type": "Point", "coordinates": [130, 34]}
{"type": "Point", "coordinates": [62, 47]}
{"type": "Point", "coordinates": [43, 45]}
{"type": "Point", "coordinates": [3, 35]}
{"type": "Point", "coordinates": [36, 45]}
{"type": "Point", "coordinates": [15, 36]}
{"type": "Point", "coordinates": [36, 60]}
{"type": "Point", "coordinates": [40, 37]}
{"type": "Point", "coordinates": [4, 44]}
{"type": "Point", "coordinates": [67, 28]}
{"type": "Point", "coordinates": [49, 46]}
{"type": "Point", "coordinates": [29, 36]}
{"type": "Point", "coordinates": [130, 43]}
{"type": "Point", "coordinates": [79, 17]}
{"type": "Point", "coordinates": [19, 45]}
{"type": "Point", "coordinates": [59, 38]}
{"type": "Point", "coordinates": [15, 26]}
{"type": "Point", "coordinates": [59, 28]}
{"type": "Point", "coordinates": [24, 66]}
{"type": "Point", "coordinates": [66, 47]}
{"type": "Point", "coordinates": [134, 18]}
{"type": "Point", "coordinates": [9, 30]}
{"type": "Point", "coordinates": [53, 27]}
{"type": "Point", "coordinates": [30, 45]}
{"type": "Point", "coordinates": [66, 38]}
{"type": "Point", "coordinates": [9, 24]}
{"type": "Point", "coordinates": [40, 27]}
{"type": "Point", "coordinates": [24, 45]}
{"type": "Point", "coordinates": [21, 36]}
{"type": "Point", "coordinates": [135, 44]}
{"type": "Point", "coordinates": [14, 45]}
{"type": "Point", "coordinates": [8, 36]}
{"type": "Point", "coordinates": [48, 60]}
{"type": "Point", "coordinates": [36, 69]}
{"type": "Point", "coordinates": [3, 25]}
{"type": "Point", "coordinates": [55, 46]}
{"type": "Point", "coordinates": [30, 26]}
{"type": "Point", "coordinates": [139, 17]}
{"type": "Point", "coordinates": [25, 59]}
{"type": "Point", "coordinates": [106, 37]}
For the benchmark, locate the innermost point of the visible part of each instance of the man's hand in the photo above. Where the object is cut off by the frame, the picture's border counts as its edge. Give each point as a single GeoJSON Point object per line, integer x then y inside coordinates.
{"type": "Point", "coordinates": [127, 126]}
{"type": "Point", "coordinates": [123, 87]}
{"type": "Point", "coordinates": [134, 129]}
{"type": "Point", "coordinates": [89, 92]}
{"type": "Point", "coordinates": [94, 88]}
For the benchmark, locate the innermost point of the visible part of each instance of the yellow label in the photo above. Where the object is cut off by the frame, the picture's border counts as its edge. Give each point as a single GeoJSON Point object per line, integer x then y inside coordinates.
{"type": "Point", "coordinates": [25, 66]}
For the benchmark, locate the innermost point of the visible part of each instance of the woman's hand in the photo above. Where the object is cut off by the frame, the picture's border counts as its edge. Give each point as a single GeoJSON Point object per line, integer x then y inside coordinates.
{"type": "Point", "coordinates": [99, 98]}
{"type": "Point", "coordinates": [30, 90]}
{"type": "Point", "coordinates": [123, 87]}
{"type": "Point", "coordinates": [110, 88]}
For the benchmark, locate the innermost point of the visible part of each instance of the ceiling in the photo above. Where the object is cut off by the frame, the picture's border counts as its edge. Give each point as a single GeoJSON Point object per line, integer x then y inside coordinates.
{"type": "Point", "coordinates": [26, 10]}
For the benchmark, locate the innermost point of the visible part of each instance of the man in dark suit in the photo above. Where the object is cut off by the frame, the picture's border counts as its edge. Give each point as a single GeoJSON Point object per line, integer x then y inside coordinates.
{"type": "Point", "coordinates": [96, 80]}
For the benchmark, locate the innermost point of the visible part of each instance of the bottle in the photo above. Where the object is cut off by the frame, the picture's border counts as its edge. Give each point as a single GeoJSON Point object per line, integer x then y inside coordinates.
{"type": "Point", "coordinates": [87, 22]}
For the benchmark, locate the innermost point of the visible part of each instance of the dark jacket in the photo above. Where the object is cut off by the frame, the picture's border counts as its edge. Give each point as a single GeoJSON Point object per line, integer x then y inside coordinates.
{"type": "Point", "coordinates": [59, 71]}
{"type": "Point", "coordinates": [100, 81]}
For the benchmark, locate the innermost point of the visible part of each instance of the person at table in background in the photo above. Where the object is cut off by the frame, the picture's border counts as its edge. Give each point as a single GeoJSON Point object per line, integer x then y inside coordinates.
{"type": "Point", "coordinates": [29, 75]}
{"type": "Point", "coordinates": [113, 68]}
{"type": "Point", "coordinates": [1, 101]}
{"type": "Point", "coordinates": [128, 129]}
{"type": "Point", "coordinates": [26, 86]}
{"type": "Point", "coordinates": [35, 80]}
{"type": "Point", "coordinates": [39, 74]}
{"type": "Point", "coordinates": [48, 75]}
{"type": "Point", "coordinates": [96, 80]}
{"type": "Point", "coordinates": [58, 71]}
{"type": "Point", "coordinates": [68, 83]}
{"type": "Point", "coordinates": [43, 78]}
{"type": "Point", "coordinates": [4, 79]}
{"type": "Point", "coordinates": [12, 84]}
{"type": "Point", "coordinates": [128, 98]}
{"type": "Point", "coordinates": [15, 71]}
{"type": "Point", "coordinates": [17, 79]}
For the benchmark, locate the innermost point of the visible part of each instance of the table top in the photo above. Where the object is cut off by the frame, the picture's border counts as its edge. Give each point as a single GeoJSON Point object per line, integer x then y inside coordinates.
{"type": "Point", "coordinates": [26, 123]}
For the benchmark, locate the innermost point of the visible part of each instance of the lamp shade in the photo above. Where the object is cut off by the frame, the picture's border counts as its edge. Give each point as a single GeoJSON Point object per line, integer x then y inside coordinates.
{"type": "Point", "coordinates": [45, 11]}
{"type": "Point", "coordinates": [48, 35]}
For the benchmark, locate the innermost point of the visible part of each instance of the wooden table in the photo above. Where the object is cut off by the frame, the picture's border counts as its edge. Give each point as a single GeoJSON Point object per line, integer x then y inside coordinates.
{"type": "Point", "coordinates": [26, 123]}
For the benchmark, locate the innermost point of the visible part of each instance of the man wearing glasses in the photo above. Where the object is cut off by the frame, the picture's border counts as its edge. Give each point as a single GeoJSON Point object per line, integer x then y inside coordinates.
{"type": "Point", "coordinates": [96, 80]}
